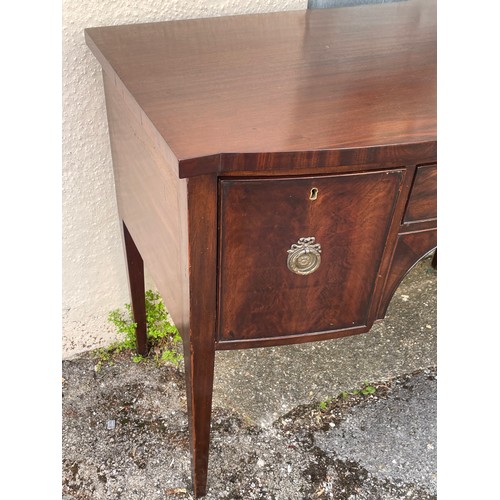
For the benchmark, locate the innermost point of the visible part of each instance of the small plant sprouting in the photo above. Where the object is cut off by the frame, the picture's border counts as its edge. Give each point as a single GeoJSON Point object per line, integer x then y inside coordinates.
{"type": "Point", "coordinates": [125, 325]}
{"type": "Point", "coordinates": [368, 389]}
{"type": "Point", "coordinates": [323, 405]}
{"type": "Point", "coordinates": [365, 391]}
{"type": "Point", "coordinates": [163, 336]}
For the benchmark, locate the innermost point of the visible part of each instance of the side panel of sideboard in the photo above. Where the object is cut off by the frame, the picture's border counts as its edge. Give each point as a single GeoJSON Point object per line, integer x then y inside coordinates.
{"type": "Point", "coordinates": [152, 201]}
{"type": "Point", "coordinates": [178, 246]}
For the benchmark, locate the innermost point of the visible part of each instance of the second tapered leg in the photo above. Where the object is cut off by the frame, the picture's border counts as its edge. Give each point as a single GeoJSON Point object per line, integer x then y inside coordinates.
{"type": "Point", "coordinates": [135, 267]}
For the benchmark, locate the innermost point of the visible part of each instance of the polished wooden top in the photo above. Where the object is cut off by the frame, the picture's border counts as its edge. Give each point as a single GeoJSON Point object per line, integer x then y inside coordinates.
{"type": "Point", "coordinates": [289, 81]}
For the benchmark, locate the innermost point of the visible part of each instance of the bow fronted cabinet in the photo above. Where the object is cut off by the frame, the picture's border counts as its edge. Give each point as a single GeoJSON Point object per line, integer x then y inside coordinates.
{"type": "Point", "coordinates": [276, 174]}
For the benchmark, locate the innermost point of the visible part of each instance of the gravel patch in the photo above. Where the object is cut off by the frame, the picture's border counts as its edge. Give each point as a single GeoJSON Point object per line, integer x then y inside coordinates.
{"type": "Point", "coordinates": [312, 452]}
{"type": "Point", "coordinates": [392, 438]}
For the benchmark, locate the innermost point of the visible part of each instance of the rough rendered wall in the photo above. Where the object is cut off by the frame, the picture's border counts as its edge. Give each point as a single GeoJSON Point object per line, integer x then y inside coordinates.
{"type": "Point", "coordinates": [94, 279]}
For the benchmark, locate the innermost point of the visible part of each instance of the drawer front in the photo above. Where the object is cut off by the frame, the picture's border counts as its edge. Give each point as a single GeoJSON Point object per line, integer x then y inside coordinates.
{"type": "Point", "coordinates": [272, 283]}
{"type": "Point", "coordinates": [422, 204]}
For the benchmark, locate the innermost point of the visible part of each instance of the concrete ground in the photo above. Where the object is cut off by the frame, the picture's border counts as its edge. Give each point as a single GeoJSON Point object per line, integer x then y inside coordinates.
{"type": "Point", "coordinates": [276, 431]}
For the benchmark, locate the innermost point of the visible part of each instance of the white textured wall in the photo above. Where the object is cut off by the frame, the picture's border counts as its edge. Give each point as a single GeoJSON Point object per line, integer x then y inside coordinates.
{"type": "Point", "coordinates": [94, 278]}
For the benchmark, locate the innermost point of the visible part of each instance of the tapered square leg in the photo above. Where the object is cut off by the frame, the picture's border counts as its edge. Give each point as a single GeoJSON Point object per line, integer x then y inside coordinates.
{"type": "Point", "coordinates": [135, 267]}
{"type": "Point", "coordinates": [199, 364]}
{"type": "Point", "coordinates": [199, 339]}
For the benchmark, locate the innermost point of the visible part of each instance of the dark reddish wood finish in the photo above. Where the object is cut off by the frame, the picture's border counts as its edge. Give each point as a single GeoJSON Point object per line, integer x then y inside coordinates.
{"type": "Point", "coordinates": [391, 241]}
{"type": "Point", "coordinates": [152, 202]}
{"type": "Point", "coordinates": [327, 79]}
{"type": "Point", "coordinates": [342, 100]}
{"type": "Point", "coordinates": [259, 296]}
{"type": "Point", "coordinates": [170, 219]}
{"type": "Point", "coordinates": [307, 162]}
{"type": "Point", "coordinates": [418, 226]}
{"type": "Point", "coordinates": [410, 248]}
{"type": "Point", "coordinates": [422, 203]}
{"type": "Point", "coordinates": [199, 346]}
{"type": "Point", "coordinates": [135, 268]}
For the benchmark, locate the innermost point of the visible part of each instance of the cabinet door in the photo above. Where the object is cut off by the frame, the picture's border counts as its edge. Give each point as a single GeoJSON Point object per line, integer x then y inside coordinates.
{"type": "Point", "coordinates": [301, 255]}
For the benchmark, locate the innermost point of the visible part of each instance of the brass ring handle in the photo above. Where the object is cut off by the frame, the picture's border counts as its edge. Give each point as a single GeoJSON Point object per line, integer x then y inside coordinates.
{"type": "Point", "coordinates": [304, 256]}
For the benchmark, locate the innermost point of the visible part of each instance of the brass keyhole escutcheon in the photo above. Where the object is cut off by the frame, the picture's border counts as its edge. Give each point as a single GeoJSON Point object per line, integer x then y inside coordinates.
{"type": "Point", "coordinates": [304, 256]}
{"type": "Point", "coordinates": [314, 194]}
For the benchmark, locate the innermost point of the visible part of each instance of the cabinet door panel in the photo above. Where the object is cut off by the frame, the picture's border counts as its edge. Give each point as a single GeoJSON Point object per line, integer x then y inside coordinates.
{"type": "Point", "coordinates": [259, 295]}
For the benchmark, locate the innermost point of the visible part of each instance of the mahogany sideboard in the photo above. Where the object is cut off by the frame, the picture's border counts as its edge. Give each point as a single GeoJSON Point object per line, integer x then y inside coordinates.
{"type": "Point", "coordinates": [276, 173]}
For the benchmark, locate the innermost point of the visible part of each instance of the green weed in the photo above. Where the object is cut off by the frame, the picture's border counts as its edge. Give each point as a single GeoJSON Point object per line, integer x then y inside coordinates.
{"type": "Point", "coordinates": [323, 405]}
{"type": "Point", "coordinates": [163, 337]}
{"type": "Point", "coordinates": [365, 391]}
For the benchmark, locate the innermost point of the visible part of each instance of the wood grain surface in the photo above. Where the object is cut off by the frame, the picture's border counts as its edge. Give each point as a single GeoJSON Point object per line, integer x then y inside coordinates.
{"type": "Point", "coordinates": [282, 82]}
{"type": "Point", "coordinates": [135, 271]}
{"type": "Point", "coordinates": [410, 248]}
{"type": "Point", "coordinates": [260, 219]}
{"type": "Point", "coordinates": [256, 111]}
{"type": "Point", "coordinates": [422, 204]}
{"type": "Point", "coordinates": [199, 346]}
{"type": "Point", "coordinates": [152, 202]}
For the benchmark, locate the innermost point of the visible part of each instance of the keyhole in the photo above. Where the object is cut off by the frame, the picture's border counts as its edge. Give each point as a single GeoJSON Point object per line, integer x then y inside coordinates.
{"type": "Point", "coordinates": [314, 194]}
